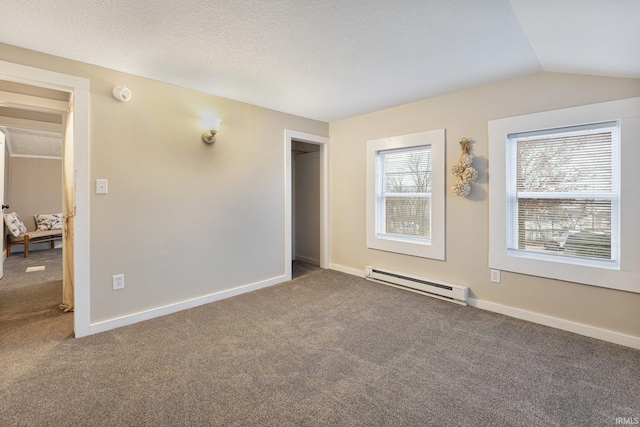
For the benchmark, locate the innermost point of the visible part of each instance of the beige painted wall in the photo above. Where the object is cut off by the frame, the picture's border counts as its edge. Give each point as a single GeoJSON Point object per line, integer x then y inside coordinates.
{"type": "Point", "coordinates": [35, 187]}
{"type": "Point", "coordinates": [182, 219]}
{"type": "Point", "coordinates": [465, 114]}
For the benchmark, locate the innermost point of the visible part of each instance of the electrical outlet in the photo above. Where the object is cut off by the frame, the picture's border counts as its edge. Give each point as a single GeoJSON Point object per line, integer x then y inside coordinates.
{"type": "Point", "coordinates": [118, 282]}
{"type": "Point", "coordinates": [495, 275]}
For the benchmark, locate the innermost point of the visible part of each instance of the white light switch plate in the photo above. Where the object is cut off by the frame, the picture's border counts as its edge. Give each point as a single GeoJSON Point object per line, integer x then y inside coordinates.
{"type": "Point", "coordinates": [102, 186]}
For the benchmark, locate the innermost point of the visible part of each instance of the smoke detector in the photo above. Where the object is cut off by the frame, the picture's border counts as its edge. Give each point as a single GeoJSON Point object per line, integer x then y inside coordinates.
{"type": "Point", "coordinates": [122, 93]}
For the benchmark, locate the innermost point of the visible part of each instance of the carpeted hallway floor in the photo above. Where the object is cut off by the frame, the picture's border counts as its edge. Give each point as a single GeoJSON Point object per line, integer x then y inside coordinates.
{"type": "Point", "coordinates": [325, 349]}
{"type": "Point", "coordinates": [29, 313]}
{"type": "Point", "coordinates": [299, 269]}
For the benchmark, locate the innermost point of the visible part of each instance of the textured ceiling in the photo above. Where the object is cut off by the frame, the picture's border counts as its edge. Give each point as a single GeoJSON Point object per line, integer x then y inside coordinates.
{"type": "Point", "coordinates": [332, 59]}
{"type": "Point", "coordinates": [30, 143]}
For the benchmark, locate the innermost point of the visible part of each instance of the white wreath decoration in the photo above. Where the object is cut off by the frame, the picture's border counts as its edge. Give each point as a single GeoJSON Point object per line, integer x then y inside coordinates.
{"type": "Point", "coordinates": [470, 174]}
{"type": "Point", "coordinates": [461, 188]}
{"type": "Point", "coordinates": [463, 170]}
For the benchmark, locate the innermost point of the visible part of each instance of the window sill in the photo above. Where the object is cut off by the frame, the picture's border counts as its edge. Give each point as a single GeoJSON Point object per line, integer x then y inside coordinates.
{"type": "Point", "coordinates": [588, 275]}
{"type": "Point", "coordinates": [585, 262]}
{"type": "Point", "coordinates": [411, 240]}
{"type": "Point", "coordinates": [405, 247]}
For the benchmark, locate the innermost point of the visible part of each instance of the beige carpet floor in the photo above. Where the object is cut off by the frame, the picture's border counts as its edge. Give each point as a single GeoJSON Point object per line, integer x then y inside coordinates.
{"type": "Point", "coordinates": [325, 349]}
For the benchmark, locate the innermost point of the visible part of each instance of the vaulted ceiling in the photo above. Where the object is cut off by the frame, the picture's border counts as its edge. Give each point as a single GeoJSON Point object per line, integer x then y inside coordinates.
{"type": "Point", "coordinates": [332, 59]}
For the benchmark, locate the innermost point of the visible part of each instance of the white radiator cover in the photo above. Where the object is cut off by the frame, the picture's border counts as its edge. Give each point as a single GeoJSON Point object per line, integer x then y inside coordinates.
{"type": "Point", "coordinates": [433, 288]}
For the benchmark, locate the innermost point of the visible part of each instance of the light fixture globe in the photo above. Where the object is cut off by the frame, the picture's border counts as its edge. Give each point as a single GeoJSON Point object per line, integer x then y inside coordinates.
{"type": "Point", "coordinates": [210, 136]}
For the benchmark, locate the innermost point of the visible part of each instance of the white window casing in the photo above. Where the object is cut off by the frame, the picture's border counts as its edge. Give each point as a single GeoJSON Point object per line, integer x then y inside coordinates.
{"type": "Point", "coordinates": [405, 194]}
{"type": "Point", "coordinates": [563, 201]}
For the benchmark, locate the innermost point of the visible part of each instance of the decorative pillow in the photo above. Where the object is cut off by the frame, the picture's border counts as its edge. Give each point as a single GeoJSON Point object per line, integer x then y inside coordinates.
{"type": "Point", "coordinates": [14, 224]}
{"type": "Point", "coordinates": [48, 222]}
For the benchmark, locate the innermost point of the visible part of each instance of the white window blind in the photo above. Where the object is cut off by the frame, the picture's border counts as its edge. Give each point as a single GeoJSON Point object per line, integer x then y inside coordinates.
{"type": "Point", "coordinates": [404, 193]}
{"type": "Point", "coordinates": [563, 190]}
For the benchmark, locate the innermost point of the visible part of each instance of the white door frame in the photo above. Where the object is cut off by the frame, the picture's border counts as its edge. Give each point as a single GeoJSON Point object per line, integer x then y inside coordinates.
{"type": "Point", "coordinates": [79, 88]}
{"type": "Point", "coordinates": [323, 142]}
{"type": "Point", "coordinates": [2, 196]}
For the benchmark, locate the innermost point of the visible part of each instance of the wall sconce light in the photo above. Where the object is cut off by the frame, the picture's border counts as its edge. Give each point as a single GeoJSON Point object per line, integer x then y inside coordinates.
{"type": "Point", "coordinates": [210, 136]}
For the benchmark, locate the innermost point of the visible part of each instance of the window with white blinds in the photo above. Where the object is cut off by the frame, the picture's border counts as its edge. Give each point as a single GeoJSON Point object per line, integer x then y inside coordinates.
{"type": "Point", "coordinates": [403, 193]}
{"type": "Point", "coordinates": [563, 191]}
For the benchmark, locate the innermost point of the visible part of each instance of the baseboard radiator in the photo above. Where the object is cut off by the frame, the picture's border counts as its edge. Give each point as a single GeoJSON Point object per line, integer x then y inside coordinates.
{"type": "Point", "coordinates": [436, 289]}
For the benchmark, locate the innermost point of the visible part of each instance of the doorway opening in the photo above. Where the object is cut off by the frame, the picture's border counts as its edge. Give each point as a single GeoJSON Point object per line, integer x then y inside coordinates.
{"type": "Point", "coordinates": [307, 227]}
{"type": "Point", "coordinates": [305, 193]}
{"type": "Point", "coordinates": [31, 173]}
{"type": "Point", "coordinates": [76, 154]}
{"type": "Point", "coordinates": [31, 288]}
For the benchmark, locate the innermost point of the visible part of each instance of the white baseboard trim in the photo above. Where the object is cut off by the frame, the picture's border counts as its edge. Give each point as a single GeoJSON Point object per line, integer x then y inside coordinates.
{"type": "Point", "coordinates": [348, 270]}
{"type": "Point", "coordinates": [554, 322]}
{"type": "Point", "coordinates": [308, 260]}
{"type": "Point", "coordinates": [130, 319]}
